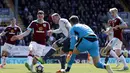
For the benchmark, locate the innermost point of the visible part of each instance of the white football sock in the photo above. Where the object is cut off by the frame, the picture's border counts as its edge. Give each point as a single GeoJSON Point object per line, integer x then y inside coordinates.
{"type": "Point", "coordinates": [3, 60]}
{"type": "Point", "coordinates": [30, 59]}
{"type": "Point", "coordinates": [112, 53]}
{"type": "Point", "coordinates": [122, 58]}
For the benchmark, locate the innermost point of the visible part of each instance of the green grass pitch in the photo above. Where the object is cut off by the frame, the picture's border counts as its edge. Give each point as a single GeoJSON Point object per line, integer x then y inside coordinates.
{"type": "Point", "coordinates": [52, 68]}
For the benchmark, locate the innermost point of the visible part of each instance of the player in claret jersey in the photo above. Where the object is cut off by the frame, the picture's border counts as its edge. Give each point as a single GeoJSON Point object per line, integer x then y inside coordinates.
{"type": "Point", "coordinates": [37, 45]}
{"type": "Point", "coordinates": [114, 46]}
{"type": "Point", "coordinates": [9, 31]}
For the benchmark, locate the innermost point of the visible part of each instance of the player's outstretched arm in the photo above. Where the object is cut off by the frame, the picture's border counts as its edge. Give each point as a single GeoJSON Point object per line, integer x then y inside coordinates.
{"type": "Point", "coordinates": [21, 36]}
{"type": "Point", "coordinates": [3, 33]}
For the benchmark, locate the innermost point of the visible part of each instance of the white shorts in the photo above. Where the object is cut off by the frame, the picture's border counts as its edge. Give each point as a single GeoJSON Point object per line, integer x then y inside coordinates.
{"type": "Point", "coordinates": [7, 47]}
{"type": "Point", "coordinates": [37, 49]}
{"type": "Point", "coordinates": [115, 43]}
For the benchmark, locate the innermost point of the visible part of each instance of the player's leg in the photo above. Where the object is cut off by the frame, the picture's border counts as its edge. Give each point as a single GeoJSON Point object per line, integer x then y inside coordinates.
{"type": "Point", "coordinates": [30, 56]}
{"type": "Point", "coordinates": [5, 53]}
{"type": "Point", "coordinates": [62, 61]}
{"type": "Point", "coordinates": [75, 52]}
{"type": "Point", "coordinates": [38, 53]}
{"type": "Point", "coordinates": [118, 47]}
{"type": "Point", "coordinates": [106, 59]}
{"type": "Point", "coordinates": [109, 49]}
{"type": "Point", "coordinates": [64, 50]}
{"type": "Point", "coordinates": [122, 59]}
{"type": "Point", "coordinates": [3, 59]}
{"type": "Point", "coordinates": [80, 47]}
{"type": "Point", "coordinates": [94, 52]}
{"type": "Point", "coordinates": [29, 63]}
{"type": "Point", "coordinates": [55, 46]}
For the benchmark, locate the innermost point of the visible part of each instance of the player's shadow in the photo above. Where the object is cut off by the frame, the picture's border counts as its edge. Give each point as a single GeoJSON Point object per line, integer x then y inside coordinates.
{"type": "Point", "coordinates": [9, 68]}
{"type": "Point", "coordinates": [36, 72]}
{"type": "Point", "coordinates": [116, 68]}
{"type": "Point", "coordinates": [119, 70]}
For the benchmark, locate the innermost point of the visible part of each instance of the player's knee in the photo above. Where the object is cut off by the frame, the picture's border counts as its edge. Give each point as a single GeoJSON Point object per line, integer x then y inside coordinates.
{"type": "Point", "coordinates": [4, 53]}
{"type": "Point", "coordinates": [76, 51]}
{"type": "Point", "coordinates": [30, 52]}
{"type": "Point", "coordinates": [55, 46]}
{"type": "Point", "coordinates": [118, 52]}
{"type": "Point", "coordinates": [105, 51]}
{"type": "Point", "coordinates": [34, 61]}
{"type": "Point", "coordinates": [98, 65]}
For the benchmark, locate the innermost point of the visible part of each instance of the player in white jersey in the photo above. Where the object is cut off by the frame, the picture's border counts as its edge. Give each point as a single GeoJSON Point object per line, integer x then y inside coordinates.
{"type": "Point", "coordinates": [64, 27]}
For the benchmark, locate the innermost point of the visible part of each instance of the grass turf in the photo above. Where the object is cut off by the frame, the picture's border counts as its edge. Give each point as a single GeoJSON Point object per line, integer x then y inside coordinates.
{"type": "Point", "coordinates": [52, 68]}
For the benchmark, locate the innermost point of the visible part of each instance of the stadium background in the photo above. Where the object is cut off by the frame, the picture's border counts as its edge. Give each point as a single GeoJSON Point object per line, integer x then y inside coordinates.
{"type": "Point", "coordinates": [91, 12]}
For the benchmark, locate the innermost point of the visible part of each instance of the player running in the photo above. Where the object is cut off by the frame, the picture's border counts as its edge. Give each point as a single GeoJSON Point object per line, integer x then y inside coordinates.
{"type": "Point", "coordinates": [117, 24]}
{"type": "Point", "coordinates": [9, 31]}
{"type": "Point", "coordinates": [88, 41]}
{"type": "Point", "coordinates": [37, 45]}
{"type": "Point", "coordinates": [64, 42]}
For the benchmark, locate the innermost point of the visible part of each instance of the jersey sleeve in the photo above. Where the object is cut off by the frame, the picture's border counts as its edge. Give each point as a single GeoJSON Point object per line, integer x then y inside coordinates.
{"type": "Point", "coordinates": [6, 29]}
{"type": "Point", "coordinates": [19, 30]}
{"type": "Point", "coordinates": [48, 26]}
{"type": "Point", "coordinates": [122, 22]}
{"type": "Point", "coordinates": [4, 32]}
{"type": "Point", "coordinates": [72, 38]}
{"type": "Point", "coordinates": [68, 25]}
{"type": "Point", "coordinates": [61, 26]}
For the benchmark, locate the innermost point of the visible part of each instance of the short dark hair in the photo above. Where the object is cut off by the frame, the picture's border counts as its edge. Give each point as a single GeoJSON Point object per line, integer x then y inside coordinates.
{"type": "Point", "coordinates": [74, 19]}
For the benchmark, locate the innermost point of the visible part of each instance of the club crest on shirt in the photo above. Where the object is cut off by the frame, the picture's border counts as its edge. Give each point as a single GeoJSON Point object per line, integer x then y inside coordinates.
{"type": "Point", "coordinates": [40, 28]}
{"type": "Point", "coordinates": [12, 32]}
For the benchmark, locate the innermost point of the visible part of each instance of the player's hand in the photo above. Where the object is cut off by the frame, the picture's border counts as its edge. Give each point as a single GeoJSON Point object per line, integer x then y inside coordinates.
{"type": "Point", "coordinates": [68, 56]}
{"type": "Point", "coordinates": [49, 32]}
{"type": "Point", "coordinates": [16, 37]}
{"type": "Point", "coordinates": [109, 22]}
{"type": "Point", "coordinates": [116, 27]}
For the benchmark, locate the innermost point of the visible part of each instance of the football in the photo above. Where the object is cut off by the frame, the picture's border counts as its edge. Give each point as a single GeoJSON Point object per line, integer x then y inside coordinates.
{"type": "Point", "coordinates": [39, 68]}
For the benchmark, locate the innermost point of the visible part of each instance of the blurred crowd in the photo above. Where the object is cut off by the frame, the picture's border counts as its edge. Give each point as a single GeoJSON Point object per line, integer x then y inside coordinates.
{"type": "Point", "coordinates": [91, 12]}
{"type": "Point", "coordinates": [2, 4]}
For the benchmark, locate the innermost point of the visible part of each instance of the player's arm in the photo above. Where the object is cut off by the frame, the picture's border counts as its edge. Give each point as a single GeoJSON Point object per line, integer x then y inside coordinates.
{"type": "Point", "coordinates": [27, 32]}
{"type": "Point", "coordinates": [61, 26]}
{"type": "Point", "coordinates": [108, 30]}
{"type": "Point", "coordinates": [72, 43]}
{"type": "Point", "coordinates": [72, 39]}
{"type": "Point", "coordinates": [22, 35]}
{"type": "Point", "coordinates": [56, 30]}
{"type": "Point", "coordinates": [122, 24]}
{"type": "Point", "coordinates": [4, 32]}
